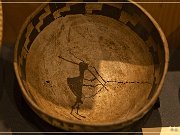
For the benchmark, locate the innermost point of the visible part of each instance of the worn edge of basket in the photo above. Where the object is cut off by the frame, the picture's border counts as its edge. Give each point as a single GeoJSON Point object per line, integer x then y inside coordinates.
{"type": "Point", "coordinates": [123, 123]}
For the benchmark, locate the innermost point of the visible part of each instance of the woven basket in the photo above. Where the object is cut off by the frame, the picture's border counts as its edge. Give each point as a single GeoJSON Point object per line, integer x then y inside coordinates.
{"type": "Point", "coordinates": [91, 66]}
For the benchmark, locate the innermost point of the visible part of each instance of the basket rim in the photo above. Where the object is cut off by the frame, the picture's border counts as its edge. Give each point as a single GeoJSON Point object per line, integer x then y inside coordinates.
{"type": "Point", "coordinates": [123, 123]}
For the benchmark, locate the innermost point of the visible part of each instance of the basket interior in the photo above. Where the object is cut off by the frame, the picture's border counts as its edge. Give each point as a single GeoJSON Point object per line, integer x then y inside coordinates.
{"type": "Point", "coordinates": [90, 62]}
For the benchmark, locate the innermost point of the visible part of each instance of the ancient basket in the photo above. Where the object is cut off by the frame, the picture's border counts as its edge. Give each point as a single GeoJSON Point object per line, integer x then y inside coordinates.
{"type": "Point", "coordinates": [91, 66]}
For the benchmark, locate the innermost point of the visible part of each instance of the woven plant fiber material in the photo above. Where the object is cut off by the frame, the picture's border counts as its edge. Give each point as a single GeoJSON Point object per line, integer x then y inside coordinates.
{"type": "Point", "coordinates": [85, 67]}
{"type": "Point", "coordinates": [102, 43]}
